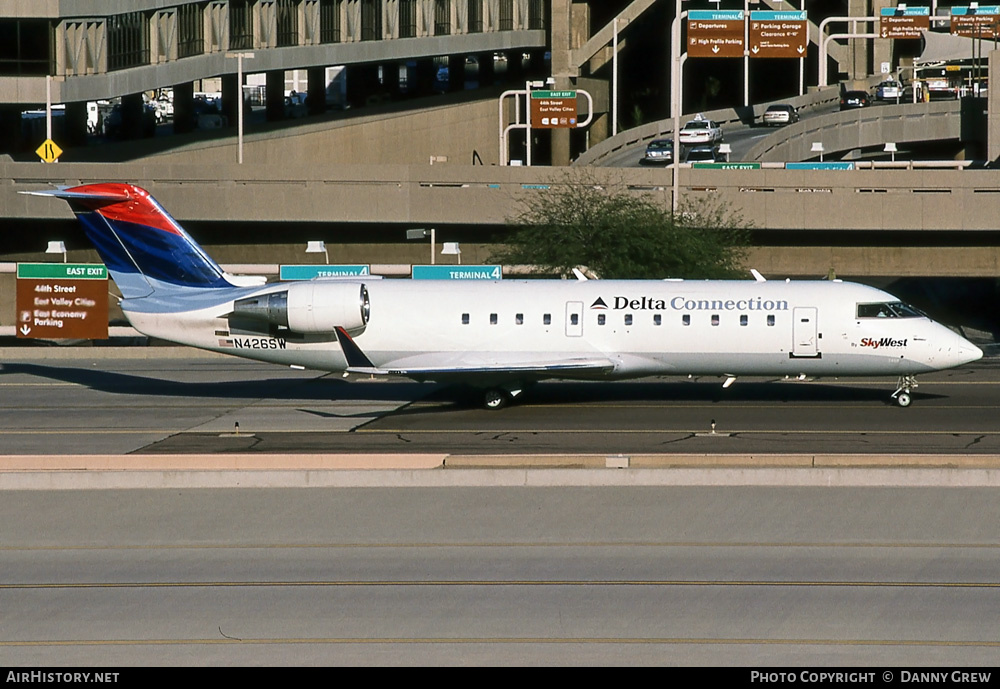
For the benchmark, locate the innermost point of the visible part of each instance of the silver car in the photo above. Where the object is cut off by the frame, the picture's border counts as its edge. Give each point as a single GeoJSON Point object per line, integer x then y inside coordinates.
{"type": "Point", "coordinates": [780, 115]}
{"type": "Point", "coordinates": [659, 151]}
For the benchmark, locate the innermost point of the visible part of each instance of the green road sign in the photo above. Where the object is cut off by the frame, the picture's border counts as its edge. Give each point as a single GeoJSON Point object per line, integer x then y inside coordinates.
{"type": "Point", "coordinates": [726, 166]}
{"type": "Point", "coordinates": [73, 271]}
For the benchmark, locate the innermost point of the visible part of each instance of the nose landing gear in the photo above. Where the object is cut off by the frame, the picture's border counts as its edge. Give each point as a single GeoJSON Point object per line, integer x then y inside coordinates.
{"type": "Point", "coordinates": [903, 388]}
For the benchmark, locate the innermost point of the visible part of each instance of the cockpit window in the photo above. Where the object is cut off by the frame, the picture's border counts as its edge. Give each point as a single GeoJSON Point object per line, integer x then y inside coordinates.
{"type": "Point", "coordinates": [890, 309]}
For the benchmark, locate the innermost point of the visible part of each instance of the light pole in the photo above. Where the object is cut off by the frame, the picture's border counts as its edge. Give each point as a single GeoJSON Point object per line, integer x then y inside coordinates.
{"type": "Point", "coordinates": [318, 247]}
{"type": "Point", "coordinates": [239, 105]}
{"type": "Point", "coordinates": [57, 247]}
{"type": "Point", "coordinates": [421, 234]}
{"type": "Point", "coordinates": [675, 103]}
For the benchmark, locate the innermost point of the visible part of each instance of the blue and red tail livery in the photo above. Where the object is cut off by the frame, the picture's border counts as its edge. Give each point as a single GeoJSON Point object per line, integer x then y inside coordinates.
{"type": "Point", "coordinates": [143, 247]}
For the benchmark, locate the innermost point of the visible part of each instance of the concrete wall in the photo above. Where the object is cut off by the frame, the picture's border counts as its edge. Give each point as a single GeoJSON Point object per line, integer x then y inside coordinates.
{"type": "Point", "coordinates": [389, 135]}
{"type": "Point", "coordinates": [862, 128]}
{"type": "Point", "coordinates": [774, 199]}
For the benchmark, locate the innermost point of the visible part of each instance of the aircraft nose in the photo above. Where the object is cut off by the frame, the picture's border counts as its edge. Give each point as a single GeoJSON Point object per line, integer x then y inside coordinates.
{"type": "Point", "coordinates": [964, 352]}
{"type": "Point", "coordinates": [969, 353]}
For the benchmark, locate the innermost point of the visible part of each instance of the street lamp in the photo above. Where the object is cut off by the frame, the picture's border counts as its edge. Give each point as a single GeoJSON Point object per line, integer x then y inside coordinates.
{"type": "Point", "coordinates": [817, 147]}
{"type": "Point", "coordinates": [318, 247]}
{"type": "Point", "coordinates": [239, 105]}
{"type": "Point", "coordinates": [452, 249]}
{"type": "Point", "coordinates": [421, 234]}
{"type": "Point", "coordinates": [56, 247]}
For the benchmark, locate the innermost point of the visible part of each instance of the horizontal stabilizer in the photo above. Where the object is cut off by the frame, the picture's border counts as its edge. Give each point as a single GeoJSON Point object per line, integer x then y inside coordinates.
{"type": "Point", "coordinates": [110, 195]}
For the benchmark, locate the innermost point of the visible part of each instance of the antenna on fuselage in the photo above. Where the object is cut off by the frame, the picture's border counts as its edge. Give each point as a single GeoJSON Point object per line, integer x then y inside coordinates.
{"type": "Point", "coordinates": [757, 276]}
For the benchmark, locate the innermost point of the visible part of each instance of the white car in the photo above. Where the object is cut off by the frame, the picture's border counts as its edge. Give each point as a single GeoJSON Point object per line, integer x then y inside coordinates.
{"type": "Point", "coordinates": [889, 90]}
{"type": "Point", "coordinates": [701, 131]}
{"type": "Point", "coordinates": [780, 114]}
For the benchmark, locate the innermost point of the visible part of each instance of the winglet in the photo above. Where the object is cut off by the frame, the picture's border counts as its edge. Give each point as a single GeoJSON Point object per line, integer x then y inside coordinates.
{"type": "Point", "coordinates": [356, 359]}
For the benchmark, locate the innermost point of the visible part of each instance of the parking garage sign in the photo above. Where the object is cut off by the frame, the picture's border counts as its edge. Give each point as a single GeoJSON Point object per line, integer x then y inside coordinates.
{"type": "Point", "coordinates": [778, 34]}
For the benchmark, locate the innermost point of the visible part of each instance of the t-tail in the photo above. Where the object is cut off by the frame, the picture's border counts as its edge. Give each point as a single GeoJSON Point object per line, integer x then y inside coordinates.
{"type": "Point", "coordinates": [145, 250]}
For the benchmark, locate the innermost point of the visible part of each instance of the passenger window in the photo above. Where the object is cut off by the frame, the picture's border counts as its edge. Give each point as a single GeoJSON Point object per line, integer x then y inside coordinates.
{"type": "Point", "coordinates": [465, 319]}
{"type": "Point", "coordinates": [628, 319]}
{"type": "Point", "coordinates": [547, 319]}
{"type": "Point", "coordinates": [600, 319]}
{"type": "Point", "coordinates": [519, 318]}
{"type": "Point", "coordinates": [686, 319]}
{"type": "Point", "coordinates": [493, 319]}
{"type": "Point", "coordinates": [770, 319]}
{"type": "Point", "coordinates": [657, 319]}
{"type": "Point", "coordinates": [743, 319]}
{"type": "Point", "coordinates": [715, 319]}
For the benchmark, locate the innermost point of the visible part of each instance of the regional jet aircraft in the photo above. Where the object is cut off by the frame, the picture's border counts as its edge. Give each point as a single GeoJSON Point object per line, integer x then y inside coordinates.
{"type": "Point", "coordinates": [503, 335]}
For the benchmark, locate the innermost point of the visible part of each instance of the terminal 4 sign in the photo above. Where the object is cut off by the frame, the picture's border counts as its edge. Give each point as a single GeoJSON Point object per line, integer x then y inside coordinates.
{"type": "Point", "coordinates": [979, 22]}
{"type": "Point", "coordinates": [715, 33]}
{"type": "Point", "coordinates": [62, 301]}
{"type": "Point", "coordinates": [903, 22]}
{"type": "Point", "coordinates": [778, 34]}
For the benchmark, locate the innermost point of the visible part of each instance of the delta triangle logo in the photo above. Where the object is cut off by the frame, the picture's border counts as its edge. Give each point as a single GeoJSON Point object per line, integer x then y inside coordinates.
{"type": "Point", "coordinates": [599, 304]}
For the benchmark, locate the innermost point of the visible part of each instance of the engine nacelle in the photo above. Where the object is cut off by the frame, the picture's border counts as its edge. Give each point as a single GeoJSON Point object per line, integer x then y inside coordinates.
{"type": "Point", "coordinates": [309, 307]}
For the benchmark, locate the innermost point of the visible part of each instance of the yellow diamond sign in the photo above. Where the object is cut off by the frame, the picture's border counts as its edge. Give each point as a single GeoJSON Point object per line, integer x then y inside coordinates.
{"type": "Point", "coordinates": [49, 151]}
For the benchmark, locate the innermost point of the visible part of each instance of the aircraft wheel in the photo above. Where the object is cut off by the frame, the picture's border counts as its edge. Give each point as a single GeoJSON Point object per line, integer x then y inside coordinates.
{"type": "Point", "coordinates": [495, 398]}
{"type": "Point", "coordinates": [903, 399]}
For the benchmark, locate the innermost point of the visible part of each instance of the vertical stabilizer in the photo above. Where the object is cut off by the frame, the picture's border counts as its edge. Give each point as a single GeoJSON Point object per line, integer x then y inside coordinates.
{"type": "Point", "coordinates": [144, 248]}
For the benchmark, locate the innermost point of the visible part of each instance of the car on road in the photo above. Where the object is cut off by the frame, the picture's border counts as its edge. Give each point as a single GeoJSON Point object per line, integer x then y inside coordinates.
{"type": "Point", "coordinates": [295, 105]}
{"type": "Point", "coordinates": [659, 151]}
{"type": "Point", "coordinates": [780, 114]}
{"type": "Point", "coordinates": [850, 100]}
{"type": "Point", "coordinates": [705, 154]}
{"type": "Point", "coordinates": [889, 90]}
{"type": "Point", "coordinates": [700, 131]}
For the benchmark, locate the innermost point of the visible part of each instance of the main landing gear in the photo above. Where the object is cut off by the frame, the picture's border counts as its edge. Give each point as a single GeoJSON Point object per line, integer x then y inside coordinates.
{"type": "Point", "coordinates": [498, 398]}
{"type": "Point", "coordinates": [903, 387]}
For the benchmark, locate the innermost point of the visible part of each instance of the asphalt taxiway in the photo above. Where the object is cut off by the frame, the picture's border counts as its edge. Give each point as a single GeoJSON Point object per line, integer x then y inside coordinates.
{"type": "Point", "coordinates": [168, 402]}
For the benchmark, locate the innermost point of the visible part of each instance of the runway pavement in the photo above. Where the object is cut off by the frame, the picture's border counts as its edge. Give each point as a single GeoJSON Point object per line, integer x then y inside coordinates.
{"type": "Point", "coordinates": [818, 526]}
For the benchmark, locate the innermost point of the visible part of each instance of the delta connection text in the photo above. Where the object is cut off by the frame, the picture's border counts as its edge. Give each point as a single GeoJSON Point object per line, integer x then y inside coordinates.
{"type": "Point", "coordinates": [687, 304]}
{"type": "Point", "coordinates": [888, 676]}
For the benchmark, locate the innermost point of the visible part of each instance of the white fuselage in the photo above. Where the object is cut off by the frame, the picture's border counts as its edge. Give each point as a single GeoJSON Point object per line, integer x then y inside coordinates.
{"type": "Point", "coordinates": [642, 327]}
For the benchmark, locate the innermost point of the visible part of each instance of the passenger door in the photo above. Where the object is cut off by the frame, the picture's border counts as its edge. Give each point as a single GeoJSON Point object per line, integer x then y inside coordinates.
{"type": "Point", "coordinates": [805, 332]}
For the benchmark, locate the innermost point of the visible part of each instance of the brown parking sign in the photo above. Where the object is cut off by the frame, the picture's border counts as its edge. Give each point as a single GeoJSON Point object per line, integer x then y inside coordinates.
{"type": "Point", "coordinates": [62, 301]}
{"type": "Point", "coordinates": [715, 33]}
{"type": "Point", "coordinates": [778, 34]}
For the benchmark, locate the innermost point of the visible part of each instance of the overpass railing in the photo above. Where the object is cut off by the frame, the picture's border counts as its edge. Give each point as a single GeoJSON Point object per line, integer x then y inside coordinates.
{"type": "Point", "coordinates": [882, 198]}
{"type": "Point", "coordinates": [727, 117]}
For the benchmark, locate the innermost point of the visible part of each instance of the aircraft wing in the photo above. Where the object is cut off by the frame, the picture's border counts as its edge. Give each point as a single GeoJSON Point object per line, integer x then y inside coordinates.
{"type": "Point", "coordinates": [358, 362]}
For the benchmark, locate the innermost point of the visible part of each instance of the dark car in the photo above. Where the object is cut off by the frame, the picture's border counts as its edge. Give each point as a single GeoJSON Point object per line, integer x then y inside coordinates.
{"type": "Point", "coordinates": [854, 99]}
{"type": "Point", "coordinates": [707, 153]}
